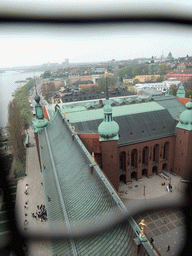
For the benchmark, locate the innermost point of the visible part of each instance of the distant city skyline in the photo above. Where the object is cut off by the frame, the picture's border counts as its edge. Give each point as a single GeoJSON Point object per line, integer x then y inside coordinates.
{"type": "Point", "coordinates": [22, 45]}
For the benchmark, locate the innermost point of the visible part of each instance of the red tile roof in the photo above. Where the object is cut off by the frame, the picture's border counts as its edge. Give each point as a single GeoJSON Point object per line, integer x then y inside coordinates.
{"type": "Point", "coordinates": [45, 113]}
{"type": "Point", "coordinates": [172, 74]}
{"type": "Point", "coordinates": [183, 100]}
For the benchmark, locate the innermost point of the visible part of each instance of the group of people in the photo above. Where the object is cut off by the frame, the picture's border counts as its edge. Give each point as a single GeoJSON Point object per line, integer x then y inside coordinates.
{"type": "Point", "coordinates": [26, 189]}
{"type": "Point", "coordinates": [40, 213]}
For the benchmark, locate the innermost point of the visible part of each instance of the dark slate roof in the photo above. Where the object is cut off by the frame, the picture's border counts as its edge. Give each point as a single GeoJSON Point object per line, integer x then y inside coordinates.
{"type": "Point", "coordinates": [172, 104]}
{"type": "Point", "coordinates": [77, 196]}
{"type": "Point", "coordinates": [82, 96]}
{"type": "Point", "coordinates": [135, 128]}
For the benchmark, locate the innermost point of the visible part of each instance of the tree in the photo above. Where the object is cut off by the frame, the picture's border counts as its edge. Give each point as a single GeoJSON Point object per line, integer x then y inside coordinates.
{"type": "Point", "coordinates": [188, 93]}
{"type": "Point", "coordinates": [15, 131]}
{"type": "Point", "coordinates": [160, 79]}
{"type": "Point", "coordinates": [173, 89]}
{"type": "Point", "coordinates": [110, 80]}
{"type": "Point", "coordinates": [163, 69]}
{"type": "Point", "coordinates": [46, 74]}
{"type": "Point", "coordinates": [48, 89]}
{"type": "Point", "coordinates": [125, 71]}
{"type": "Point", "coordinates": [188, 84]}
{"type": "Point", "coordinates": [132, 89]}
{"type": "Point", "coordinates": [136, 81]}
{"type": "Point", "coordinates": [21, 98]}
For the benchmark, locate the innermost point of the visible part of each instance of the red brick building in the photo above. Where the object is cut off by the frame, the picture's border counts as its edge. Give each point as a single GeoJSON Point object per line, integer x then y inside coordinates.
{"type": "Point", "coordinates": [183, 77]}
{"type": "Point", "coordinates": [138, 140]}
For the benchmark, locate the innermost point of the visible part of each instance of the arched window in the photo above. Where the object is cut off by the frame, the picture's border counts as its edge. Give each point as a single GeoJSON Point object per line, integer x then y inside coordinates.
{"type": "Point", "coordinates": [154, 170]}
{"type": "Point", "coordinates": [122, 161]}
{"type": "Point", "coordinates": [145, 155]}
{"type": "Point", "coordinates": [134, 158]}
{"type": "Point", "coordinates": [122, 178]}
{"type": "Point", "coordinates": [164, 167]}
{"type": "Point", "coordinates": [156, 153]}
{"type": "Point", "coordinates": [166, 150]}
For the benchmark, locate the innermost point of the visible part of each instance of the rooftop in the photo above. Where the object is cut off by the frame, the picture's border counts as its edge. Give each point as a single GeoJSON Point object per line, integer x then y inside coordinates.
{"type": "Point", "coordinates": [79, 197]}
{"type": "Point", "coordinates": [95, 114]}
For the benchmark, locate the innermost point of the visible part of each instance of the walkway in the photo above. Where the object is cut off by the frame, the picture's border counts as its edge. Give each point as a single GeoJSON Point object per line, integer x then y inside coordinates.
{"type": "Point", "coordinates": [165, 226]}
{"type": "Point", "coordinates": [35, 197]}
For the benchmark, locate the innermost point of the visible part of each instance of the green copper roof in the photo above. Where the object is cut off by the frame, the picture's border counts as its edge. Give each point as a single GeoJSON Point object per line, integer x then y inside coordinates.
{"type": "Point", "coordinates": [181, 91]}
{"type": "Point", "coordinates": [185, 119]}
{"type": "Point", "coordinates": [40, 121]}
{"type": "Point", "coordinates": [79, 197]}
{"type": "Point", "coordinates": [108, 129]}
{"type": "Point", "coordinates": [88, 115]}
{"type": "Point", "coordinates": [167, 92]}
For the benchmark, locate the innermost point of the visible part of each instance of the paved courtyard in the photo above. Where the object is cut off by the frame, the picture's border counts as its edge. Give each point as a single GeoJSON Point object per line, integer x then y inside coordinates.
{"type": "Point", "coordinates": [35, 197]}
{"type": "Point", "coordinates": [165, 226]}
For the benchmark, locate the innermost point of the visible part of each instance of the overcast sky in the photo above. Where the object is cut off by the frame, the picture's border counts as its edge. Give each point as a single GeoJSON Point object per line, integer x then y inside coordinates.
{"type": "Point", "coordinates": [22, 45]}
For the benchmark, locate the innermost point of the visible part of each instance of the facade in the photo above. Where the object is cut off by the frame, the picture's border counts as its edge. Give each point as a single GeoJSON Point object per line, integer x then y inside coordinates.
{"type": "Point", "coordinates": [85, 153]}
{"type": "Point", "coordinates": [182, 77]}
{"type": "Point", "coordinates": [150, 137]}
{"type": "Point", "coordinates": [146, 78]}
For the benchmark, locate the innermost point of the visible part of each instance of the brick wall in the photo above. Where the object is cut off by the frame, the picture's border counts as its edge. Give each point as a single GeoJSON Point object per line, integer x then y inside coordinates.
{"type": "Point", "coordinates": [110, 162]}
{"type": "Point", "coordinates": [183, 153]}
{"type": "Point", "coordinates": [91, 142]}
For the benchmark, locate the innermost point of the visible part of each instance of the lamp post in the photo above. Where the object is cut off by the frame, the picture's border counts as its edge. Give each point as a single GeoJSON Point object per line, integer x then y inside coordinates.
{"type": "Point", "coordinates": [144, 191]}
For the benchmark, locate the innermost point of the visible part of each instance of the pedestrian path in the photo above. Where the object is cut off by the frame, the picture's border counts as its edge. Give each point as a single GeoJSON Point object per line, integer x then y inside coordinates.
{"type": "Point", "coordinates": [26, 204]}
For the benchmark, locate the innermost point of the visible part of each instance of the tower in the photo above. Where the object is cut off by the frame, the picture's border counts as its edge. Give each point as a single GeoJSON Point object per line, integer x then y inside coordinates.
{"type": "Point", "coordinates": [39, 123]}
{"type": "Point", "coordinates": [108, 131]}
{"type": "Point", "coordinates": [181, 91]}
{"type": "Point", "coordinates": [183, 147]}
{"type": "Point", "coordinates": [152, 66]}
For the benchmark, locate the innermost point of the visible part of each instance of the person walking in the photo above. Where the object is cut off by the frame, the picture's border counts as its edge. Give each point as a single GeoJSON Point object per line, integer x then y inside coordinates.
{"type": "Point", "coordinates": [168, 248]}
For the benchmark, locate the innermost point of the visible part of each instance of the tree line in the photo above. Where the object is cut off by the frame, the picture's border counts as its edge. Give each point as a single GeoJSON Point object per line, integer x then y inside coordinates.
{"type": "Point", "coordinates": [19, 119]}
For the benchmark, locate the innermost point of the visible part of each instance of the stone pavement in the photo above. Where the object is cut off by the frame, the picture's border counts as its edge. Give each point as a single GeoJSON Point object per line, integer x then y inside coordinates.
{"type": "Point", "coordinates": [165, 226]}
{"type": "Point", "coordinates": [35, 197]}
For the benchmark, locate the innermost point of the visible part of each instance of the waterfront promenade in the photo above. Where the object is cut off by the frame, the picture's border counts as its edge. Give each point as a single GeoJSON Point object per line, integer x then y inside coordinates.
{"type": "Point", "coordinates": [35, 197]}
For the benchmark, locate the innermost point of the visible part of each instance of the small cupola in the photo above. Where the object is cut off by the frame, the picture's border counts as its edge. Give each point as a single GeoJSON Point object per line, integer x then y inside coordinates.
{"type": "Point", "coordinates": [108, 129]}
{"type": "Point", "coordinates": [185, 119]}
{"type": "Point", "coordinates": [40, 122]}
{"type": "Point", "coordinates": [181, 91]}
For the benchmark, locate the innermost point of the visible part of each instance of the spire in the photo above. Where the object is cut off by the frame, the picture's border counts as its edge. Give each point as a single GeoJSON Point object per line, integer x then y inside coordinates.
{"type": "Point", "coordinates": [40, 122]}
{"type": "Point", "coordinates": [38, 107]}
{"type": "Point", "coordinates": [107, 94]}
{"type": "Point", "coordinates": [108, 129]}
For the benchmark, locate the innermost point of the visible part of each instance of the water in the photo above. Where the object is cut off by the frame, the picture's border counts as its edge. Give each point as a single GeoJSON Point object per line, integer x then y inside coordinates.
{"type": "Point", "coordinates": [7, 87]}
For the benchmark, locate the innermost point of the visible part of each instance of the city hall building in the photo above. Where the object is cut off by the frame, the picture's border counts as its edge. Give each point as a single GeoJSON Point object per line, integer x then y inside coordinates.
{"type": "Point", "coordinates": [85, 149]}
{"type": "Point", "coordinates": [135, 137]}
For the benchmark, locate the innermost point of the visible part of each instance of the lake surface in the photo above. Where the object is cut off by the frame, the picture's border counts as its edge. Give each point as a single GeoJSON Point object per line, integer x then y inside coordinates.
{"type": "Point", "coordinates": [7, 87]}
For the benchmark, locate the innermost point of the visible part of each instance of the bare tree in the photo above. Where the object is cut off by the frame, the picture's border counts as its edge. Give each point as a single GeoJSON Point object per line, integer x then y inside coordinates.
{"type": "Point", "coordinates": [15, 131]}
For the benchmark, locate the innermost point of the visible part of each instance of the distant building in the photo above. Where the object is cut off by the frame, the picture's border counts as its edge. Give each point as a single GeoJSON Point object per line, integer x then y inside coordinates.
{"type": "Point", "coordinates": [81, 86]}
{"type": "Point", "coordinates": [182, 77]}
{"type": "Point", "coordinates": [170, 81]}
{"type": "Point", "coordinates": [146, 78]}
{"type": "Point", "coordinates": [157, 86]}
{"type": "Point", "coordinates": [150, 92]}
